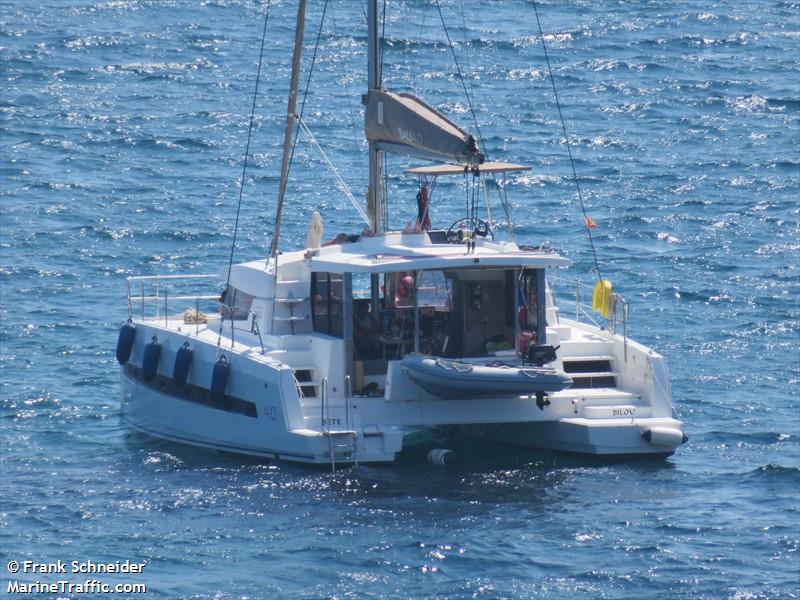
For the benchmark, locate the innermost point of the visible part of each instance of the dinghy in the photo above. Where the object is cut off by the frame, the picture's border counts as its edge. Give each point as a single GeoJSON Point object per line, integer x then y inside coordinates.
{"type": "Point", "coordinates": [452, 379]}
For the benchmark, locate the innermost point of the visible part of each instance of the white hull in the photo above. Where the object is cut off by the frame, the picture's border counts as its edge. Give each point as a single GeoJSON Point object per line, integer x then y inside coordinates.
{"type": "Point", "coordinates": [169, 418]}
{"type": "Point", "coordinates": [598, 437]}
{"type": "Point", "coordinates": [277, 413]}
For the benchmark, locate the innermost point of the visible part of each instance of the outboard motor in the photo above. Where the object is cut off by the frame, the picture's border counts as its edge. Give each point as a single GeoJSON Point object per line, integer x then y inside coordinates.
{"type": "Point", "coordinates": [541, 355]}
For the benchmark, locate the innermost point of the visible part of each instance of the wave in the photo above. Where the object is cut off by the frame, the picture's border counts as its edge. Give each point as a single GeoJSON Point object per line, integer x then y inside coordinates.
{"type": "Point", "coordinates": [160, 68]}
{"type": "Point", "coordinates": [757, 438]}
{"type": "Point", "coordinates": [774, 471]}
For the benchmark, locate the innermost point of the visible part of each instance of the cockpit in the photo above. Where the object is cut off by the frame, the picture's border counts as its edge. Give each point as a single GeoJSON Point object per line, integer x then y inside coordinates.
{"type": "Point", "coordinates": [455, 313]}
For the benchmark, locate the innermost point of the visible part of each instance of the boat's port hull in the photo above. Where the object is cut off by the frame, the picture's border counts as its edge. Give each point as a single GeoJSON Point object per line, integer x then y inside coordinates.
{"type": "Point", "coordinates": [174, 419]}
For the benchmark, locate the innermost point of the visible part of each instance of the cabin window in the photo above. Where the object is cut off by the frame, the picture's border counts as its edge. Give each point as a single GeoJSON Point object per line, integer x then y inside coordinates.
{"type": "Point", "coordinates": [326, 291]}
{"type": "Point", "coordinates": [400, 289]}
{"type": "Point", "coordinates": [434, 291]}
{"type": "Point", "coordinates": [531, 308]}
{"type": "Point", "coordinates": [235, 304]}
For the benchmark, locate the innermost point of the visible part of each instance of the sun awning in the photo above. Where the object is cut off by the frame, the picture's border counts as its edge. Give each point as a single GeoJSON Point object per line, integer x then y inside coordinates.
{"type": "Point", "coordinates": [487, 167]}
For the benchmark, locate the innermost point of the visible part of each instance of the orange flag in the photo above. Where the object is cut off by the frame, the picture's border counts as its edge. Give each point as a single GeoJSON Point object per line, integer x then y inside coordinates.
{"type": "Point", "coordinates": [589, 223]}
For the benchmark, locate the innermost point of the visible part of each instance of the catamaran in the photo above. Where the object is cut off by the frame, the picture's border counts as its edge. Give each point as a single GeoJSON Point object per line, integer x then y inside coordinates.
{"type": "Point", "coordinates": [347, 351]}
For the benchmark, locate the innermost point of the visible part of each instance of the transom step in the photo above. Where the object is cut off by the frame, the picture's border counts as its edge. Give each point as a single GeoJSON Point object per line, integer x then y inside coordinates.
{"type": "Point", "coordinates": [591, 371]}
{"type": "Point", "coordinates": [306, 380]}
{"type": "Point", "coordinates": [588, 364]}
{"type": "Point", "coordinates": [594, 380]}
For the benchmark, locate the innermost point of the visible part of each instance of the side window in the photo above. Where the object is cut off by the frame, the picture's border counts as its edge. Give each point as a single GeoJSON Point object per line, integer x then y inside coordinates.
{"type": "Point", "coordinates": [404, 289]}
{"type": "Point", "coordinates": [529, 308]}
{"type": "Point", "coordinates": [326, 294]}
{"type": "Point", "coordinates": [236, 304]}
{"type": "Point", "coordinates": [433, 290]}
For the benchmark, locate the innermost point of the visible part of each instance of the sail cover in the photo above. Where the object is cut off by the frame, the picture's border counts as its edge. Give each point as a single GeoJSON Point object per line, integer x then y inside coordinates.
{"type": "Point", "coordinates": [404, 124]}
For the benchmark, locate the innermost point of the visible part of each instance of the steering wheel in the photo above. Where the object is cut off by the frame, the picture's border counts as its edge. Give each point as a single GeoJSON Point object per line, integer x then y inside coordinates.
{"type": "Point", "coordinates": [476, 226]}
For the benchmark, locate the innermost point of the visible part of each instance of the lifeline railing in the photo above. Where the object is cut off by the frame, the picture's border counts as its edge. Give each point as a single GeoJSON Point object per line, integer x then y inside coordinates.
{"type": "Point", "coordinates": [618, 316]}
{"type": "Point", "coordinates": [154, 290]}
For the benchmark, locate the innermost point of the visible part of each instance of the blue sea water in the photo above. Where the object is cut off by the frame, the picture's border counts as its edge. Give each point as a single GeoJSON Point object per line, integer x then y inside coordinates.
{"type": "Point", "coordinates": [123, 130]}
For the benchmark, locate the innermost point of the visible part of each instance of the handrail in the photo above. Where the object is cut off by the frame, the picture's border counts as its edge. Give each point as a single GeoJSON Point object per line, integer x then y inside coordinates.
{"type": "Point", "coordinates": [161, 292]}
{"type": "Point", "coordinates": [192, 297]}
{"type": "Point", "coordinates": [325, 427]}
{"type": "Point", "coordinates": [257, 331]}
{"type": "Point", "coordinates": [349, 426]}
{"type": "Point", "coordinates": [347, 393]}
{"type": "Point", "coordinates": [625, 329]}
{"type": "Point", "coordinates": [323, 398]}
{"type": "Point", "coordinates": [167, 277]}
{"type": "Point", "coordinates": [620, 312]}
{"type": "Point", "coordinates": [130, 307]}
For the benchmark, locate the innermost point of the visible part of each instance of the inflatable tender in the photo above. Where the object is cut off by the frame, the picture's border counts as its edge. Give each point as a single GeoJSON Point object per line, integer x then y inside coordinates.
{"type": "Point", "coordinates": [450, 379]}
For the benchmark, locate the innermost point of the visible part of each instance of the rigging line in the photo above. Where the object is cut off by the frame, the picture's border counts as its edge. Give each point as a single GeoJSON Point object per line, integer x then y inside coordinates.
{"type": "Point", "coordinates": [385, 171]}
{"type": "Point", "coordinates": [566, 139]}
{"type": "Point", "coordinates": [308, 83]}
{"type": "Point", "coordinates": [476, 181]}
{"type": "Point", "coordinates": [466, 191]}
{"type": "Point", "coordinates": [346, 80]}
{"type": "Point", "coordinates": [244, 173]}
{"type": "Point", "coordinates": [472, 199]}
{"type": "Point", "coordinates": [466, 51]}
{"type": "Point", "coordinates": [247, 147]}
{"type": "Point", "coordinates": [472, 109]}
{"type": "Point", "coordinates": [337, 178]}
{"type": "Point", "coordinates": [461, 79]}
{"type": "Point", "coordinates": [503, 195]}
{"type": "Point", "coordinates": [485, 191]}
{"type": "Point", "coordinates": [380, 42]}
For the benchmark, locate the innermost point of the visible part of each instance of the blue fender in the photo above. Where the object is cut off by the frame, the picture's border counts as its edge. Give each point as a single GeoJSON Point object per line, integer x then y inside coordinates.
{"type": "Point", "coordinates": [219, 380]}
{"type": "Point", "coordinates": [127, 335]}
{"type": "Point", "coordinates": [152, 352]}
{"type": "Point", "coordinates": [183, 361]}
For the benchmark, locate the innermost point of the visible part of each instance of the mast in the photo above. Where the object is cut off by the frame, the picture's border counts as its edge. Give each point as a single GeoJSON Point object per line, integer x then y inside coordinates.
{"type": "Point", "coordinates": [375, 197]}
{"type": "Point", "coordinates": [290, 119]}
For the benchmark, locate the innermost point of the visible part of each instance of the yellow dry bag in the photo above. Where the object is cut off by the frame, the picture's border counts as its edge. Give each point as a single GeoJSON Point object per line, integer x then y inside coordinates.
{"type": "Point", "coordinates": [601, 299]}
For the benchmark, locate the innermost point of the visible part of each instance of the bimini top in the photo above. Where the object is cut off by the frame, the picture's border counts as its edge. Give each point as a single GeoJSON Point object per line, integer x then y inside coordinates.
{"type": "Point", "coordinates": [487, 167]}
{"type": "Point", "coordinates": [415, 251]}
{"type": "Point", "coordinates": [390, 253]}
